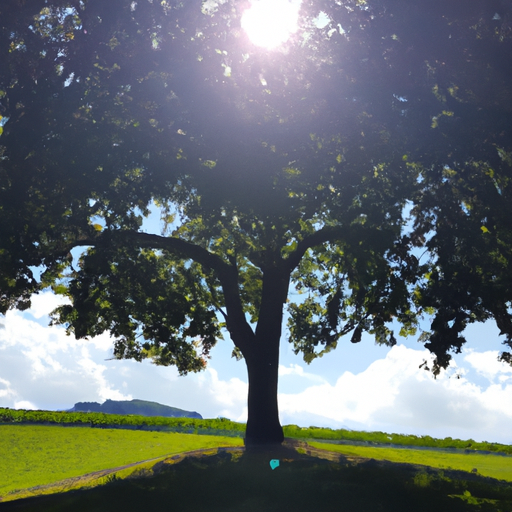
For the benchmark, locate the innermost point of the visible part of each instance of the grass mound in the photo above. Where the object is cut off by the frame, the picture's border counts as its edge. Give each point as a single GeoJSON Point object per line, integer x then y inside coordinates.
{"type": "Point", "coordinates": [236, 481]}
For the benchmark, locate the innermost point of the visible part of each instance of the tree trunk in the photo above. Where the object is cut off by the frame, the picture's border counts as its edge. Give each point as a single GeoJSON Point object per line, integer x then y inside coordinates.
{"type": "Point", "coordinates": [263, 426]}
{"type": "Point", "coordinates": [262, 359]}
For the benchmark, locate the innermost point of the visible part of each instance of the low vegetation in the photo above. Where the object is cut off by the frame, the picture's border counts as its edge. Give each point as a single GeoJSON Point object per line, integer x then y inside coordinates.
{"type": "Point", "coordinates": [396, 439]}
{"type": "Point", "coordinates": [221, 426]}
{"type": "Point", "coordinates": [225, 427]}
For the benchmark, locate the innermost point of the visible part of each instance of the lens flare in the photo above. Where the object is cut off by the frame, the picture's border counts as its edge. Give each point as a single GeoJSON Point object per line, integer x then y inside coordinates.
{"type": "Point", "coordinates": [269, 23]}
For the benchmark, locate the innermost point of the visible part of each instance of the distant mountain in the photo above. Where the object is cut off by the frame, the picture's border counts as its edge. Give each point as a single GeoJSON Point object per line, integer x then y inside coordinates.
{"type": "Point", "coordinates": [139, 407]}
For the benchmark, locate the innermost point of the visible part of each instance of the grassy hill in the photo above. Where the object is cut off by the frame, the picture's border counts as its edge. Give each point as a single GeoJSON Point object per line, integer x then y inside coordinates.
{"type": "Point", "coordinates": [103, 469]}
{"type": "Point", "coordinates": [230, 481]}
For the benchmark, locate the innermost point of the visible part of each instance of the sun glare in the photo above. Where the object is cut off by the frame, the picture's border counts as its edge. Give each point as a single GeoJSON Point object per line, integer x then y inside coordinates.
{"type": "Point", "coordinates": [269, 23]}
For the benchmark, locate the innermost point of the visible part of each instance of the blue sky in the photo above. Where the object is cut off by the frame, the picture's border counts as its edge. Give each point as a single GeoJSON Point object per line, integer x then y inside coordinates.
{"type": "Point", "coordinates": [361, 386]}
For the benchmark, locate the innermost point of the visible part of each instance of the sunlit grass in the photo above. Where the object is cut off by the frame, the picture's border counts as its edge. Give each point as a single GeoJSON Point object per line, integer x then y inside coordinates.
{"type": "Point", "coordinates": [33, 455]}
{"type": "Point", "coordinates": [234, 482]}
{"type": "Point", "coordinates": [495, 466]}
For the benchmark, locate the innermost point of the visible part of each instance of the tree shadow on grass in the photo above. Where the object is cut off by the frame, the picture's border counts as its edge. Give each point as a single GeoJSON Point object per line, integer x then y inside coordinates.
{"type": "Point", "coordinates": [238, 481]}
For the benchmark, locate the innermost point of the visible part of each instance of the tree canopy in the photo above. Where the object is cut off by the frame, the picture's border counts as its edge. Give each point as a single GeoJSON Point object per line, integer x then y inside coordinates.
{"type": "Point", "coordinates": [366, 162]}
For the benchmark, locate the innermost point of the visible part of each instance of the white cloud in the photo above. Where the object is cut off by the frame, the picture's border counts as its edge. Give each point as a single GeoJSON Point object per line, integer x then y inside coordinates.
{"type": "Point", "coordinates": [487, 365]}
{"type": "Point", "coordinates": [24, 404]}
{"type": "Point", "coordinates": [44, 303]}
{"type": "Point", "coordinates": [297, 370]}
{"type": "Point", "coordinates": [227, 395]}
{"type": "Point", "coordinates": [6, 391]}
{"type": "Point", "coordinates": [94, 373]}
{"type": "Point", "coordinates": [242, 418]}
{"type": "Point", "coordinates": [497, 397]}
{"type": "Point", "coordinates": [42, 365]}
{"type": "Point", "coordinates": [357, 397]}
{"type": "Point", "coordinates": [394, 395]}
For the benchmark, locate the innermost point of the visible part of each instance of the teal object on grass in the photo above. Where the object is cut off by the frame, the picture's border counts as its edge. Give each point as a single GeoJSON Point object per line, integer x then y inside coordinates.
{"type": "Point", "coordinates": [274, 463]}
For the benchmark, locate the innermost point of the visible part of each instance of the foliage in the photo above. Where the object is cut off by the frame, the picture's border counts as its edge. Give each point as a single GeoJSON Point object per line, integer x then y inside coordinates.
{"type": "Point", "coordinates": [271, 169]}
{"type": "Point", "coordinates": [261, 204]}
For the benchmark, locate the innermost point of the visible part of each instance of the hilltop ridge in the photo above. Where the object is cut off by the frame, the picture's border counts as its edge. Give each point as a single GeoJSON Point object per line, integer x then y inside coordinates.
{"type": "Point", "coordinates": [138, 407]}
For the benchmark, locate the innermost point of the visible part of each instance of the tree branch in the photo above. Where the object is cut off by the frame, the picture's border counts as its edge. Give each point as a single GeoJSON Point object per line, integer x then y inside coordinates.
{"type": "Point", "coordinates": [237, 325]}
{"type": "Point", "coordinates": [326, 234]}
{"type": "Point", "coordinates": [178, 246]}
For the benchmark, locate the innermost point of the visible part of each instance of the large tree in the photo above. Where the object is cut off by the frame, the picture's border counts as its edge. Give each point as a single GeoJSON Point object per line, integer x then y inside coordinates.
{"type": "Point", "coordinates": [380, 131]}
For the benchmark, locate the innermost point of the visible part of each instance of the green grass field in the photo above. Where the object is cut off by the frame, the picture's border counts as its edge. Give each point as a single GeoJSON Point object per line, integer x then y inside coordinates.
{"type": "Point", "coordinates": [237, 481]}
{"type": "Point", "coordinates": [33, 455]}
{"type": "Point", "coordinates": [495, 466]}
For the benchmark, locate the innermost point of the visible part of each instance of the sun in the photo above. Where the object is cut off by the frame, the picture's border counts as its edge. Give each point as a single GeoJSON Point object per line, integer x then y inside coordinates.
{"type": "Point", "coordinates": [269, 23]}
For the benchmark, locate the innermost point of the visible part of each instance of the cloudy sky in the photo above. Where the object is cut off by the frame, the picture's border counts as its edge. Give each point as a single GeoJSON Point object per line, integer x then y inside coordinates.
{"type": "Point", "coordinates": [362, 387]}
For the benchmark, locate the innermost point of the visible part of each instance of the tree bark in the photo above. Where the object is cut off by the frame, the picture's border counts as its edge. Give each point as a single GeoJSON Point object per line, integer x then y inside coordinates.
{"type": "Point", "coordinates": [262, 359]}
{"type": "Point", "coordinates": [263, 425]}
